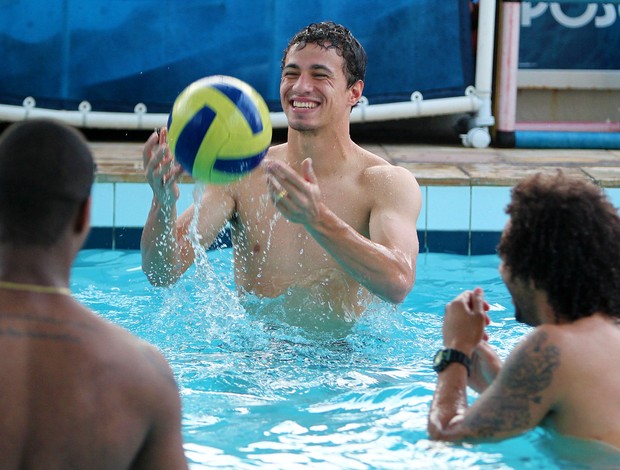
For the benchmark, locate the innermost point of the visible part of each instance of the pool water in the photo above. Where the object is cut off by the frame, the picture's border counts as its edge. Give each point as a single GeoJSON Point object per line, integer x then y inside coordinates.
{"type": "Point", "coordinates": [259, 392]}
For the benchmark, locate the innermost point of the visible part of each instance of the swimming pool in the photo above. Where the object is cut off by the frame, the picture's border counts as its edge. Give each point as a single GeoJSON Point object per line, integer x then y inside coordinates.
{"type": "Point", "coordinates": [259, 392]}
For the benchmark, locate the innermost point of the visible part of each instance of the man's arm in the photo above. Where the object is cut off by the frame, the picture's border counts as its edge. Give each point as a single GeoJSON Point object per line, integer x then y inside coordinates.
{"type": "Point", "coordinates": [385, 262]}
{"type": "Point", "coordinates": [167, 250]}
{"type": "Point", "coordinates": [485, 365]}
{"type": "Point", "coordinates": [518, 399]}
{"type": "Point", "coordinates": [161, 253]}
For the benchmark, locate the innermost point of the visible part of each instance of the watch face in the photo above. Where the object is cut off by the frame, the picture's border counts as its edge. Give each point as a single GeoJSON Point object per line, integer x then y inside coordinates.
{"type": "Point", "coordinates": [439, 363]}
{"type": "Point", "coordinates": [445, 357]}
{"type": "Point", "coordinates": [438, 358]}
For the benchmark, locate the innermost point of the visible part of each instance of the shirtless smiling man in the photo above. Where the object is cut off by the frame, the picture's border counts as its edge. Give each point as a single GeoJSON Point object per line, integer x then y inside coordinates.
{"type": "Point", "coordinates": [560, 256]}
{"type": "Point", "coordinates": [320, 215]}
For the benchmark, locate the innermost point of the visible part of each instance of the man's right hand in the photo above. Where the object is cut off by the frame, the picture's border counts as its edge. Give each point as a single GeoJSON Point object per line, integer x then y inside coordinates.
{"type": "Point", "coordinates": [464, 321]}
{"type": "Point", "coordinates": [161, 171]}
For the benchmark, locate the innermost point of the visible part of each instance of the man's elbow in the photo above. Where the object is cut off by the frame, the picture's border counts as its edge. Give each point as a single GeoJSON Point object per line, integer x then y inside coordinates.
{"type": "Point", "coordinates": [433, 432]}
{"type": "Point", "coordinates": [397, 296]}
{"type": "Point", "coordinates": [437, 432]}
{"type": "Point", "coordinates": [158, 279]}
{"type": "Point", "coordinates": [399, 288]}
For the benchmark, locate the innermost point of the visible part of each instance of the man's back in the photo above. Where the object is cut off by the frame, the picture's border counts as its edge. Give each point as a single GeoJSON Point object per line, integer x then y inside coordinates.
{"type": "Point", "coordinates": [78, 392]}
{"type": "Point", "coordinates": [587, 389]}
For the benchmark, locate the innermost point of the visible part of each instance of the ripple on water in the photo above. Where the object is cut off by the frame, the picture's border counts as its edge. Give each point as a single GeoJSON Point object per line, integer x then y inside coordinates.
{"type": "Point", "coordinates": [258, 390]}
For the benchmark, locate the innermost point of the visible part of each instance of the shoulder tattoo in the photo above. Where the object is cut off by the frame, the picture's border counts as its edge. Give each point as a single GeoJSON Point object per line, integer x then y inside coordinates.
{"type": "Point", "coordinates": [526, 376]}
{"type": "Point", "coordinates": [24, 326]}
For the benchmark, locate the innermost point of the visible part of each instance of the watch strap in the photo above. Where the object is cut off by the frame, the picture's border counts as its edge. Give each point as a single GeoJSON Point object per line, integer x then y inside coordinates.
{"type": "Point", "coordinates": [447, 356]}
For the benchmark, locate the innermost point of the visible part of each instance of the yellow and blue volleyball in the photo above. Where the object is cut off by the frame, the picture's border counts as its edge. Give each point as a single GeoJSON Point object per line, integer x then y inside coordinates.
{"type": "Point", "coordinates": [219, 129]}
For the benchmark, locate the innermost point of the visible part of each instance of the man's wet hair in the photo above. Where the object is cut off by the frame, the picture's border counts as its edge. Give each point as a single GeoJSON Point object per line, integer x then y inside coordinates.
{"type": "Point", "coordinates": [330, 35]}
{"type": "Point", "coordinates": [46, 175]}
{"type": "Point", "coordinates": [564, 236]}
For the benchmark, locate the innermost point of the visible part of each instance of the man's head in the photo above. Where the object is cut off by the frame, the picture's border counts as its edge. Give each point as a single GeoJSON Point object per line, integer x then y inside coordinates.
{"type": "Point", "coordinates": [330, 35]}
{"type": "Point", "coordinates": [46, 175]}
{"type": "Point", "coordinates": [564, 237]}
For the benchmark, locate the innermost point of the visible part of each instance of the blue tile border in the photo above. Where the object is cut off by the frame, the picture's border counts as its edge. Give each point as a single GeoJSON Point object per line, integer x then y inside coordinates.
{"type": "Point", "coordinates": [484, 242]}
{"type": "Point", "coordinates": [433, 241]}
{"type": "Point", "coordinates": [459, 220]}
{"type": "Point", "coordinates": [128, 238]}
{"type": "Point", "coordinates": [460, 242]}
{"type": "Point", "coordinates": [444, 241]}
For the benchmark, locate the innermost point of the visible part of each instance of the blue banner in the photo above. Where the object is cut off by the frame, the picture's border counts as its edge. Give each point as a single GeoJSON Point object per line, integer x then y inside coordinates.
{"type": "Point", "coordinates": [117, 53]}
{"type": "Point", "coordinates": [570, 36]}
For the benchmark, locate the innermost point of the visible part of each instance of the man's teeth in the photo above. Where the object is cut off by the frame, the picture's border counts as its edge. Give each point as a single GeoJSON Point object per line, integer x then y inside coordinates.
{"type": "Point", "coordinates": [303, 104]}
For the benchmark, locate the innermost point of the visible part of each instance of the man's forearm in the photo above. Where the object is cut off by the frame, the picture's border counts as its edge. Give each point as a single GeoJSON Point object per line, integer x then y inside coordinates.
{"type": "Point", "coordinates": [449, 404]}
{"type": "Point", "coordinates": [486, 364]}
{"type": "Point", "coordinates": [159, 245]}
{"type": "Point", "coordinates": [383, 272]}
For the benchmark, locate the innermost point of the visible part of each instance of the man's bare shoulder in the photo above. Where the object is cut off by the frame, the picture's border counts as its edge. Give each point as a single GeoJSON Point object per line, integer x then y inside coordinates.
{"type": "Point", "coordinates": [277, 151]}
{"type": "Point", "coordinates": [565, 351]}
{"type": "Point", "coordinates": [81, 347]}
{"type": "Point", "coordinates": [536, 357]}
{"type": "Point", "coordinates": [388, 171]}
{"type": "Point", "coordinates": [583, 339]}
{"type": "Point", "coordinates": [250, 184]}
{"type": "Point", "coordinates": [391, 182]}
{"type": "Point", "coordinates": [595, 325]}
{"type": "Point", "coordinates": [86, 339]}
{"type": "Point", "coordinates": [112, 344]}
{"type": "Point", "coordinates": [377, 167]}
{"type": "Point", "coordinates": [568, 358]}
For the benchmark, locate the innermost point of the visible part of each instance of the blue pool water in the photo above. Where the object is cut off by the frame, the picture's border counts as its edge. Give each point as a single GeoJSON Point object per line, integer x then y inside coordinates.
{"type": "Point", "coordinates": [259, 392]}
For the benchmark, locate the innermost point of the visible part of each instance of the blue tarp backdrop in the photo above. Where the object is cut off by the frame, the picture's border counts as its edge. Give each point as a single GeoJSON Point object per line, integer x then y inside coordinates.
{"type": "Point", "coordinates": [117, 53]}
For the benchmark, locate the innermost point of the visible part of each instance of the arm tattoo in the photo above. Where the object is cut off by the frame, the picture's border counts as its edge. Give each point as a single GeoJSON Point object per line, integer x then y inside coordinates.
{"type": "Point", "coordinates": [533, 368]}
{"type": "Point", "coordinates": [526, 376]}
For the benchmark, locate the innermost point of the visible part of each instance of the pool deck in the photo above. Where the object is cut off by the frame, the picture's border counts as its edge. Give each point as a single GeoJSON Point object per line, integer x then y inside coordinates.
{"type": "Point", "coordinates": [433, 165]}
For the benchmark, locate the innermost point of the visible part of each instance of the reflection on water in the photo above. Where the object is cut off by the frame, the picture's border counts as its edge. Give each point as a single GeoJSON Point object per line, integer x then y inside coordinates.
{"type": "Point", "coordinates": [261, 387]}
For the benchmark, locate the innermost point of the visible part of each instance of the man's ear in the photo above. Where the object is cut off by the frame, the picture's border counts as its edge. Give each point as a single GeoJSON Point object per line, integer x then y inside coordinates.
{"type": "Point", "coordinates": [356, 92]}
{"type": "Point", "coordinates": [82, 219]}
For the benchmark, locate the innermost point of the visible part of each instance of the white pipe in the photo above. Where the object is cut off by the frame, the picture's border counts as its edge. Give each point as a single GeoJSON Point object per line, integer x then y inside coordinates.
{"type": "Point", "coordinates": [415, 108]}
{"type": "Point", "coordinates": [90, 119]}
{"type": "Point", "coordinates": [484, 51]}
{"type": "Point", "coordinates": [484, 62]}
{"type": "Point", "coordinates": [418, 107]}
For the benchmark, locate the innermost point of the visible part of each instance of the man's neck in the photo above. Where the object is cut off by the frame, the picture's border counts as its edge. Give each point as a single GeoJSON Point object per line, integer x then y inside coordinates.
{"type": "Point", "coordinates": [326, 149]}
{"type": "Point", "coordinates": [34, 265]}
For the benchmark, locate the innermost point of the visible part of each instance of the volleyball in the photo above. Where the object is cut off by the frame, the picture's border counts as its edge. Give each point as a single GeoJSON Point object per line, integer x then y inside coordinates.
{"type": "Point", "coordinates": [219, 129]}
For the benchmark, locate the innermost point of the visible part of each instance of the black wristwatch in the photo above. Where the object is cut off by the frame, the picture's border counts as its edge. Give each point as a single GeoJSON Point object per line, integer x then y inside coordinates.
{"type": "Point", "coordinates": [445, 357]}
